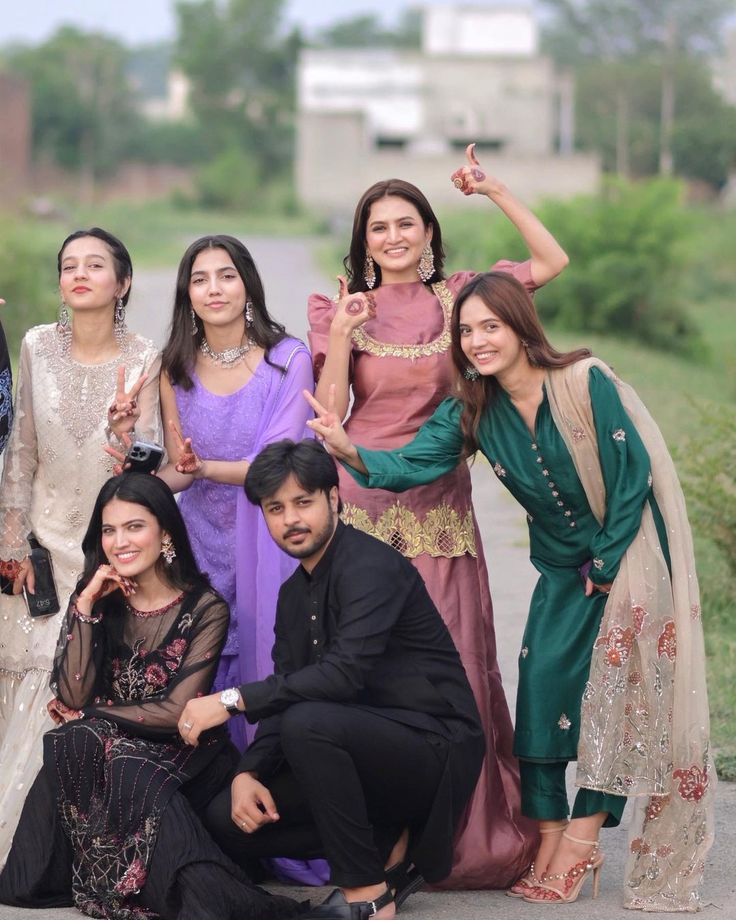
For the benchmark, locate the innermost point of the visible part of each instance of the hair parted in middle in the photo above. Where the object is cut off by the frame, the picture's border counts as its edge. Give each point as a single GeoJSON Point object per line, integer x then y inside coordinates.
{"type": "Point", "coordinates": [510, 302]}
{"type": "Point", "coordinates": [306, 460]}
{"type": "Point", "coordinates": [180, 352]}
{"type": "Point", "coordinates": [120, 255]}
{"type": "Point", "coordinates": [154, 495]}
{"type": "Point", "coordinates": [354, 261]}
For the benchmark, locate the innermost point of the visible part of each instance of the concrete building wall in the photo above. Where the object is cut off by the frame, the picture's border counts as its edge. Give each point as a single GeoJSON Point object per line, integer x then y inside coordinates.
{"type": "Point", "coordinates": [337, 162]}
{"type": "Point", "coordinates": [510, 102]}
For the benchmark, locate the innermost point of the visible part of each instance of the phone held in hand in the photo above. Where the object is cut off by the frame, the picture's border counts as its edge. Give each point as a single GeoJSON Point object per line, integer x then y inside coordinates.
{"type": "Point", "coordinates": [44, 601]}
{"type": "Point", "coordinates": [584, 571]}
{"type": "Point", "coordinates": [143, 457]}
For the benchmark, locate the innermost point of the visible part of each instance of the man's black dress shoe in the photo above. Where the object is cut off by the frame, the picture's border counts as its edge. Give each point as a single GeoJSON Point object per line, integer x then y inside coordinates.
{"type": "Point", "coordinates": [335, 907]}
{"type": "Point", "coordinates": [404, 879]}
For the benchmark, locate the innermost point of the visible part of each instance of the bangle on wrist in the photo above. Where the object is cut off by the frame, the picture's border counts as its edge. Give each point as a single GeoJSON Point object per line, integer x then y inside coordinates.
{"type": "Point", "coordinates": [84, 617]}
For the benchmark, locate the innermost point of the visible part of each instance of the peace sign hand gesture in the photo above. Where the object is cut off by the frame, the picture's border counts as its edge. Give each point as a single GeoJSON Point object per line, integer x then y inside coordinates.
{"type": "Point", "coordinates": [124, 411]}
{"type": "Point", "coordinates": [188, 461]}
{"type": "Point", "coordinates": [328, 428]}
{"type": "Point", "coordinates": [352, 309]}
{"type": "Point", "coordinates": [471, 179]}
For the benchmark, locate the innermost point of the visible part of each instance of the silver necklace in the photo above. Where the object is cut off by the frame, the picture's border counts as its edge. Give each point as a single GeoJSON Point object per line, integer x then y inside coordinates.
{"type": "Point", "coordinates": [229, 356]}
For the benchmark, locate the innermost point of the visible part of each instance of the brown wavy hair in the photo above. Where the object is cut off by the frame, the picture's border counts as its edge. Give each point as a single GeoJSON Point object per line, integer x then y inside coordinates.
{"type": "Point", "coordinates": [511, 303]}
{"type": "Point", "coordinates": [354, 261]}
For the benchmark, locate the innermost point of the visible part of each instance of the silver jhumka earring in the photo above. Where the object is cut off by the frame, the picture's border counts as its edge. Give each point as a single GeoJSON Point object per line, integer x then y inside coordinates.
{"type": "Point", "coordinates": [369, 271]}
{"type": "Point", "coordinates": [194, 321]}
{"type": "Point", "coordinates": [119, 329]}
{"type": "Point", "coordinates": [425, 269]}
{"type": "Point", "coordinates": [471, 373]}
{"type": "Point", "coordinates": [248, 313]}
{"type": "Point", "coordinates": [62, 323]}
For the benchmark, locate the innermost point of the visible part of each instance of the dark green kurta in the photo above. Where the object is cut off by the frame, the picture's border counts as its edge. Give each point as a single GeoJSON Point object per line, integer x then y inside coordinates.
{"type": "Point", "coordinates": [563, 623]}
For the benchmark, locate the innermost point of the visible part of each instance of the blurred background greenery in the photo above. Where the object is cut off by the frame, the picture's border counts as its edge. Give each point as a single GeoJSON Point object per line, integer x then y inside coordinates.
{"type": "Point", "coordinates": [652, 276]}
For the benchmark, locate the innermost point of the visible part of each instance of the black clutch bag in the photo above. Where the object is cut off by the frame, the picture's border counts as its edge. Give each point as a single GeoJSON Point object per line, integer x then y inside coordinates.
{"type": "Point", "coordinates": [45, 600]}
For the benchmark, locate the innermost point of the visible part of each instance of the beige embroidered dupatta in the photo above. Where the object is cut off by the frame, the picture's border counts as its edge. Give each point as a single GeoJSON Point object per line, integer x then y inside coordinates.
{"type": "Point", "coordinates": [644, 719]}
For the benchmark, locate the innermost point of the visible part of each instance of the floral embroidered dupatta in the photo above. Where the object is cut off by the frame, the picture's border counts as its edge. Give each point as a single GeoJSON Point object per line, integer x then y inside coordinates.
{"type": "Point", "coordinates": [644, 719]}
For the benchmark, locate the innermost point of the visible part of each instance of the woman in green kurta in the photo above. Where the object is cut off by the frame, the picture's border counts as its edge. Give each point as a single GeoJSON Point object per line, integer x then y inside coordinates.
{"type": "Point", "coordinates": [557, 435]}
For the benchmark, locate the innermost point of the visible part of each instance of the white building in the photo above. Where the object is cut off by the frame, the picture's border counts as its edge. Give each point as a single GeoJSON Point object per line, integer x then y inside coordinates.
{"type": "Point", "coordinates": [365, 115]}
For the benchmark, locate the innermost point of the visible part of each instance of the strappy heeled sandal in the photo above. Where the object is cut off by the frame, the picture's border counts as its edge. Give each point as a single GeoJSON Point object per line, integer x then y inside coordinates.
{"type": "Point", "coordinates": [573, 879]}
{"type": "Point", "coordinates": [403, 879]}
{"type": "Point", "coordinates": [529, 879]}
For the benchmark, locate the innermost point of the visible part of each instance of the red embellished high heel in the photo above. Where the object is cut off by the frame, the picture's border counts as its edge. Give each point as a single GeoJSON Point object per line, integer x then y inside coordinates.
{"type": "Point", "coordinates": [573, 880]}
{"type": "Point", "coordinates": [529, 879]}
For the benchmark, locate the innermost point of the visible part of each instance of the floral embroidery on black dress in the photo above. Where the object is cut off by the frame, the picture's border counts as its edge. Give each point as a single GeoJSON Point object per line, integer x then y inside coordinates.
{"type": "Point", "coordinates": [113, 783]}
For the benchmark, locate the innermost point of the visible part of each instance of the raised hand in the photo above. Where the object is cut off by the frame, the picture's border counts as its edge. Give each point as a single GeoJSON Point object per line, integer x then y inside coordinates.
{"type": "Point", "coordinates": [328, 428]}
{"type": "Point", "coordinates": [124, 411]}
{"type": "Point", "coordinates": [471, 179]}
{"type": "Point", "coordinates": [118, 455]}
{"type": "Point", "coordinates": [188, 461]}
{"type": "Point", "coordinates": [352, 309]}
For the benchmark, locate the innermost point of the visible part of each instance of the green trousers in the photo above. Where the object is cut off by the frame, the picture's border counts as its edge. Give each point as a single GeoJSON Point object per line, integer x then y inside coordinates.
{"type": "Point", "coordinates": [544, 795]}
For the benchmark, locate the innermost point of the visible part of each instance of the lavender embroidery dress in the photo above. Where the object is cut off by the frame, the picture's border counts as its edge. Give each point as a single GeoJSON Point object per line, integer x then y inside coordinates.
{"type": "Point", "coordinates": [223, 427]}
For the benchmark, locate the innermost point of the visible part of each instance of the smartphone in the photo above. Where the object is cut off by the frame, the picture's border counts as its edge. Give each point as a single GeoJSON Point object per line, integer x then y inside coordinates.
{"type": "Point", "coordinates": [584, 571]}
{"type": "Point", "coordinates": [143, 457]}
{"type": "Point", "coordinates": [44, 601]}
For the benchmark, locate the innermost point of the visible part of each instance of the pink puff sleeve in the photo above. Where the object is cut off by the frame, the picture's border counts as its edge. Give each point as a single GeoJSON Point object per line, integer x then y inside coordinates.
{"type": "Point", "coordinates": [522, 271]}
{"type": "Point", "coordinates": [320, 312]}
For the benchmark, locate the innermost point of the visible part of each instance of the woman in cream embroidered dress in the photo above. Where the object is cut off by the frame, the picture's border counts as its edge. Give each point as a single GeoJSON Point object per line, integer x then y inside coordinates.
{"type": "Point", "coordinates": [68, 376]}
{"type": "Point", "coordinates": [388, 337]}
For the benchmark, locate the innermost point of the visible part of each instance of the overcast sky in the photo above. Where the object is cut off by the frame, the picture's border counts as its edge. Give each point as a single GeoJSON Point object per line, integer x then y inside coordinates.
{"type": "Point", "coordinates": [140, 21]}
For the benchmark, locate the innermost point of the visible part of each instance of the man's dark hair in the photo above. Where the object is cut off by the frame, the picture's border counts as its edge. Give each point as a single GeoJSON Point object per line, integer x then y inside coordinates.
{"type": "Point", "coordinates": [309, 463]}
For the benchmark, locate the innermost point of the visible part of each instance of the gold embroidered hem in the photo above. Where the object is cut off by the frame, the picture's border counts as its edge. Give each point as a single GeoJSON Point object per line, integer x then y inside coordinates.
{"type": "Point", "coordinates": [442, 532]}
{"type": "Point", "coordinates": [364, 342]}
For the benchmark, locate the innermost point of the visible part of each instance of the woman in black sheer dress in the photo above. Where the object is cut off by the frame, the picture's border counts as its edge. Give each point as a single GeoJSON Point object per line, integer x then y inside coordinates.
{"type": "Point", "coordinates": [110, 824]}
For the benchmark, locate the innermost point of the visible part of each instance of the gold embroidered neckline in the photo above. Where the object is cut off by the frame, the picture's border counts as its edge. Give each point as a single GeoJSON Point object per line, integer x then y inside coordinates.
{"type": "Point", "coordinates": [365, 342]}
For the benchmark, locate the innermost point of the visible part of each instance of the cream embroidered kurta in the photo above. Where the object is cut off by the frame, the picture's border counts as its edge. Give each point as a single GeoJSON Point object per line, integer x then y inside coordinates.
{"type": "Point", "coordinates": [54, 468]}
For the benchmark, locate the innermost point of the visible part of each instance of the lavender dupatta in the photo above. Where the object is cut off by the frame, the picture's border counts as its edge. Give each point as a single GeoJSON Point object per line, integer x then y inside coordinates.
{"type": "Point", "coordinates": [260, 566]}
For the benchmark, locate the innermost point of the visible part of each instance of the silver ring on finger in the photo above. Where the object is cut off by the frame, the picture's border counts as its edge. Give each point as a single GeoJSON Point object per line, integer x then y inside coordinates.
{"type": "Point", "coordinates": [187, 726]}
{"type": "Point", "coordinates": [243, 824]}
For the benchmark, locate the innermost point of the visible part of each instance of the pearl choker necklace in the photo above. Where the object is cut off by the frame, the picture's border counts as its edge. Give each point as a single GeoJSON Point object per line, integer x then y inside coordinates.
{"type": "Point", "coordinates": [229, 356]}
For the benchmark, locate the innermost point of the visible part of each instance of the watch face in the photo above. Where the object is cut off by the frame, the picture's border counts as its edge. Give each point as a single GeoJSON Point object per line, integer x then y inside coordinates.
{"type": "Point", "coordinates": [229, 697]}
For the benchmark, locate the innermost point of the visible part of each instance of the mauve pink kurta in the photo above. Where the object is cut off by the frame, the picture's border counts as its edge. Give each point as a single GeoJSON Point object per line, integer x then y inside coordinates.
{"type": "Point", "coordinates": [395, 390]}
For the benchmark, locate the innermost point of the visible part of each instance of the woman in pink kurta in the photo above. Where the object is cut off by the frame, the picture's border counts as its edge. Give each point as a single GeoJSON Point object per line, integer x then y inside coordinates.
{"type": "Point", "coordinates": [389, 341]}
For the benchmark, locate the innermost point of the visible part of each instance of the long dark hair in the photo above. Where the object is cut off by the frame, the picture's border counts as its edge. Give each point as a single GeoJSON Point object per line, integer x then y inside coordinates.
{"type": "Point", "coordinates": [152, 493]}
{"type": "Point", "coordinates": [180, 352]}
{"type": "Point", "coordinates": [510, 302]}
{"type": "Point", "coordinates": [120, 255]}
{"type": "Point", "coordinates": [354, 261]}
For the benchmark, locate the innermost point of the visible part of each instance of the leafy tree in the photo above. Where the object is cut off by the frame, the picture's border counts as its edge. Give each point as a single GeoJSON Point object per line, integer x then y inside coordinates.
{"type": "Point", "coordinates": [82, 104]}
{"type": "Point", "coordinates": [242, 74]}
{"type": "Point", "coordinates": [621, 34]}
{"type": "Point", "coordinates": [704, 137]}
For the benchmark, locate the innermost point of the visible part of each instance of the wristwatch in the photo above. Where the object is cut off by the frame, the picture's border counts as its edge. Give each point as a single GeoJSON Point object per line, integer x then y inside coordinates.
{"type": "Point", "coordinates": [230, 699]}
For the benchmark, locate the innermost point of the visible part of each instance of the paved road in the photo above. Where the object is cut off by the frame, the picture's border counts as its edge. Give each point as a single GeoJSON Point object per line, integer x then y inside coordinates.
{"type": "Point", "coordinates": [289, 277]}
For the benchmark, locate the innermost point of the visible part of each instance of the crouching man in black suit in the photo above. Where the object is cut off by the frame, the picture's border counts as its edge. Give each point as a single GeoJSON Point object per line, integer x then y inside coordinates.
{"type": "Point", "coordinates": [369, 742]}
